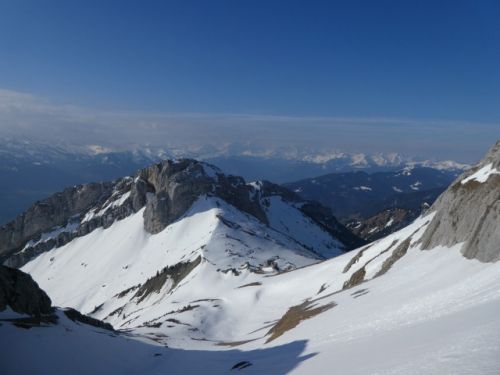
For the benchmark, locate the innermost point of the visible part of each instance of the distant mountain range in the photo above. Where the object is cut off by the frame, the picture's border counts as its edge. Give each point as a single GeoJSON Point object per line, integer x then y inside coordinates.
{"type": "Point", "coordinates": [283, 167]}
{"type": "Point", "coordinates": [359, 195]}
{"type": "Point", "coordinates": [373, 205]}
{"type": "Point", "coordinates": [32, 170]}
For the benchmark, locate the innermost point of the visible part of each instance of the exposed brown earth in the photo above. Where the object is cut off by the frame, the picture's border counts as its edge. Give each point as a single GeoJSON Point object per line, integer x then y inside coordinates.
{"type": "Point", "coordinates": [294, 316]}
{"type": "Point", "coordinates": [356, 278]}
{"type": "Point", "coordinates": [397, 254]}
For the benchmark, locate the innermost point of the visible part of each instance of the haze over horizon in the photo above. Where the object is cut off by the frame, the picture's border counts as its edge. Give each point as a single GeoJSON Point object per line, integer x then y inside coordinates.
{"type": "Point", "coordinates": [420, 79]}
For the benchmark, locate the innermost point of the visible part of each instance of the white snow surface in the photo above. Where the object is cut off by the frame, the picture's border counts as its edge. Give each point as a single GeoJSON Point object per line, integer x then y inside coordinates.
{"type": "Point", "coordinates": [482, 174]}
{"type": "Point", "coordinates": [432, 312]}
{"type": "Point", "coordinates": [92, 270]}
{"type": "Point", "coordinates": [416, 185]}
{"type": "Point", "coordinates": [363, 188]}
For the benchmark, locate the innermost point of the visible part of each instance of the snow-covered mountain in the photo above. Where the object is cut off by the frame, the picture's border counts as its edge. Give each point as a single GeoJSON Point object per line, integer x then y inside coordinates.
{"type": "Point", "coordinates": [43, 152]}
{"type": "Point", "coordinates": [422, 300]}
{"type": "Point", "coordinates": [178, 201]}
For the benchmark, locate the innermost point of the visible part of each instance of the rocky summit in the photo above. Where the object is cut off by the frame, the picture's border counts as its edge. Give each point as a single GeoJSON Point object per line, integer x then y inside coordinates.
{"type": "Point", "coordinates": [164, 192]}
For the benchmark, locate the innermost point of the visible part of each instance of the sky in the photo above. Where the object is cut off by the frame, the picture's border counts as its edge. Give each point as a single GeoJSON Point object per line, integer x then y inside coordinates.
{"type": "Point", "coordinates": [375, 76]}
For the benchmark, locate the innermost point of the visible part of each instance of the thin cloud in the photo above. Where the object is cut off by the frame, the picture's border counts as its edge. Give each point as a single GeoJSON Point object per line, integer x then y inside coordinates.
{"type": "Point", "coordinates": [27, 115]}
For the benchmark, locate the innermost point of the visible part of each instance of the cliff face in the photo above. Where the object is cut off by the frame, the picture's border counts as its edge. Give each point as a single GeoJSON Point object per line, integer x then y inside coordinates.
{"type": "Point", "coordinates": [469, 212]}
{"type": "Point", "coordinates": [51, 212]}
{"type": "Point", "coordinates": [174, 187]}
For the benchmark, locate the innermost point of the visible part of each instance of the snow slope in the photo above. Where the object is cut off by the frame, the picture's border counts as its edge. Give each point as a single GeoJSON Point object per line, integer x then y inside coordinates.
{"type": "Point", "coordinates": [91, 271]}
{"type": "Point", "coordinates": [219, 291]}
{"type": "Point", "coordinates": [432, 312]}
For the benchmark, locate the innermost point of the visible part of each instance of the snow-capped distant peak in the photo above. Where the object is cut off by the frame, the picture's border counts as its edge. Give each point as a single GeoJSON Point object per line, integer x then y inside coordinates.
{"type": "Point", "coordinates": [323, 158]}
{"type": "Point", "coordinates": [98, 149]}
{"type": "Point", "coordinates": [359, 160]}
{"type": "Point", "coordinates": [445, 165]}
{"type": "Point", "coordinates": [362, 188]}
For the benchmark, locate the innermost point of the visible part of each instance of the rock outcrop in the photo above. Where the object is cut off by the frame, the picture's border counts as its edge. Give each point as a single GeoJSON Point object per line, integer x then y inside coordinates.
{"type": "Point", "coordinates": [469, 212]}
{"type": "Point", "coordinates": [22, 294]}
{"type": "Point", "coordinates": [384, 223]}
{"type": "Point", "coordinates": [164, 191]}
{"type": "Point", "coordinates": [76, 316]}
{"type": "Point", "coordinates": [175, 185]}
{"type": "Point", "coordinates": [50, 213]}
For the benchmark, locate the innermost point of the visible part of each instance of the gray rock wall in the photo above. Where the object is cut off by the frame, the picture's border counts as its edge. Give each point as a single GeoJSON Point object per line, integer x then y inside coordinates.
{"type": "Point", "coordinates": [469, 213]}
{"type": "Point", "coordinates": [49, 213]}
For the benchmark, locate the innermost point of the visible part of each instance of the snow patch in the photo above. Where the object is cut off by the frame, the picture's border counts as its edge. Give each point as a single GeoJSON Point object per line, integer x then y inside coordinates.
{"type": "Point", "coordinates": [482, 174]}
{"type": "Point", "coordinates": [416, 185]}
{"type": "Point", "coordinates": [362, 188]}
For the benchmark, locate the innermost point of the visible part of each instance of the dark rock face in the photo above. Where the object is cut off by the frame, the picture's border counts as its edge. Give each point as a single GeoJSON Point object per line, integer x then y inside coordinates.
{"type": "Point", "coordinates": [76, 316]}
{"type": "Point", "coordinates": [22, 294]}
{"type": "Point", "coordinates": [175, 187]}
{"type": "Point", "coordinates": [469, 212]}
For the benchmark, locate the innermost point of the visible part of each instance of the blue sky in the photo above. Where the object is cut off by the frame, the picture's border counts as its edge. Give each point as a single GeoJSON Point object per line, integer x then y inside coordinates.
{"type": "Point", "coordinates": [436, 61]}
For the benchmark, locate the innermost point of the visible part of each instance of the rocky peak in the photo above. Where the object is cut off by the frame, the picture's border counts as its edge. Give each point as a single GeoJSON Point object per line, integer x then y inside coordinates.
{"type": "Point", "coordinates": [173, 186]}
{"type": "Point", "coordinates": [468, 212]}
{"type": "Point", "coordinates": [493, 156]}
{"type": "Point", "coordinates": [164, 191]}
